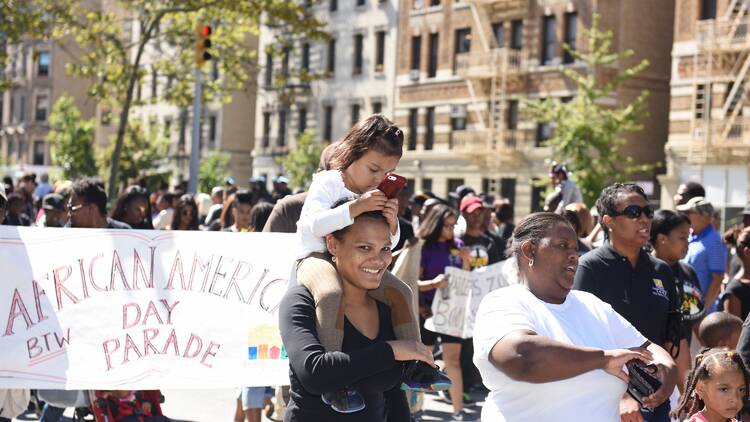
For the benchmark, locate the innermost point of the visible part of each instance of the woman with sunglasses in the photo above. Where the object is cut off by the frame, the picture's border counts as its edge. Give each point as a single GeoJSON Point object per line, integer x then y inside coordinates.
{"type": "Point", "coordinates": [736, 298]}
{"type": "Point", "coordinates": [637, 285]}
{"type": "Point", "coordinates": [185, 214]}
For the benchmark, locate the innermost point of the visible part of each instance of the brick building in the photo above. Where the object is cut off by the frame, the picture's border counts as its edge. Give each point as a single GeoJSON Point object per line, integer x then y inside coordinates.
{"type": "Point", "coordinates": [709, 133]}
{"type": "Point", "coordinates": [465, 67]}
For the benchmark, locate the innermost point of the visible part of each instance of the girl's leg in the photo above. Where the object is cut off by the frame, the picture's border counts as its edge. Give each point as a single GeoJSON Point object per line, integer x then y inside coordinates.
{"type": "Point", "coordinates": [319, 276]}
{"type": "Point", "coordinates": [401, 298]}
{"type": "Point", "coordinates": [452, 359]}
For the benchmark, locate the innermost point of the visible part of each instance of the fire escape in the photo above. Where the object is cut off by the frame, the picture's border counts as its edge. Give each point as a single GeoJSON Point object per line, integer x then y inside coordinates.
{"type": "Point", "coordinates": [722, 57]}
{"type": "Point", "coordinates": [490, 70]}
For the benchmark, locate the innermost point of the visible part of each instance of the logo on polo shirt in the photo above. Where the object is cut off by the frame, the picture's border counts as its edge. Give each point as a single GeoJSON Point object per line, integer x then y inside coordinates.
{"type": "Point", "coordinates": [658, 289]}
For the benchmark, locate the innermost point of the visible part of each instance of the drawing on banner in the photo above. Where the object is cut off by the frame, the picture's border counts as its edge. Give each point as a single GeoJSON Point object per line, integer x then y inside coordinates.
{"type": "Point", "coordinates": [113, 309]}
{"type": "Point", "coordinates": [455, 307]}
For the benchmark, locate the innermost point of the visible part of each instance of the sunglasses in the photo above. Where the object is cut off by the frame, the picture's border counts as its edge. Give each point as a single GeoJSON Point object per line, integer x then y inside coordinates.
{"type": "Point", "coordinates": [74, 208]}
{"type": "Point", "coordinates": [634, 211]}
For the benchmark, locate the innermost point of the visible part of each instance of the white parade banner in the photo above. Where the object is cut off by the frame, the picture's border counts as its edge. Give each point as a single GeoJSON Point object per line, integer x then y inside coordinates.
{"type": "Point", "coordinates": [455, 307]}
{"type": "Point", "coordinates": [141, 309]}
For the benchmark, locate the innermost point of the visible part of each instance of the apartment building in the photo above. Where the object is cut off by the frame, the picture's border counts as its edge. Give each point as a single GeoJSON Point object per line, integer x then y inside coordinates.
{"type": "Point", "coordinates": [709, 131]}
{"type": "Point", "coordinates": [37, 74]}
{"type": "Point", "coordinates": [358, 68]}
{"type": "Point", "coordinates": [465, 67]}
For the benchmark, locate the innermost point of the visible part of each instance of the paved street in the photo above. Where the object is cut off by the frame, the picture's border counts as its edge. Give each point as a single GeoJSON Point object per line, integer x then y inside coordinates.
{"type": "Point", "coordinates": [219, 405]}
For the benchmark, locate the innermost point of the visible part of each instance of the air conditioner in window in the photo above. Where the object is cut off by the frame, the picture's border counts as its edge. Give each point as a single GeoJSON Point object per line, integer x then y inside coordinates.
{"type": "Point", "coordinates": [414, 75]}
{"type": "Point", "coordinates": [458, 111]}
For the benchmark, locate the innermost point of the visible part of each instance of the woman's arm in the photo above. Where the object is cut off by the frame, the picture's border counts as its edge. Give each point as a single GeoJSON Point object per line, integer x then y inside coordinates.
{"type": "Point", "coordinates": [525, 356]}
{"type": "Point", "coordinates": [320, 371]}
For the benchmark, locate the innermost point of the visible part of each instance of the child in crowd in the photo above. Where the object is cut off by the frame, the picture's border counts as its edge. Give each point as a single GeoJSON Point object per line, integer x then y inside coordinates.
{"type": "Point", "coordinates": [130, 406]}
{"type": "Point", "coordinates": [370, 150]}
{"type": "Point", "coordinates": [717, 387]}
{"type": "Point", "coordinates": [720, 329]}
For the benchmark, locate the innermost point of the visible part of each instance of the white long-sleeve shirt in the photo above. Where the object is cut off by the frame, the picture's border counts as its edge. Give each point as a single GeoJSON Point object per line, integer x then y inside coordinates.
{"type": "Point", "coordinates": [318, 217]}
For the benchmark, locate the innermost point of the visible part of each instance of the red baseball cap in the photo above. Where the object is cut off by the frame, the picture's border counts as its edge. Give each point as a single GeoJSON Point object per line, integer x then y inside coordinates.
{"type": "Point", "coordinates": [470, 204]}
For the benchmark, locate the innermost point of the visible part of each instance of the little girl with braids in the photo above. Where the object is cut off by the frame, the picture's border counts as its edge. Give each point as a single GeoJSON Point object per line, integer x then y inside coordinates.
{"type": "Point", "coordinates": [716, 388]}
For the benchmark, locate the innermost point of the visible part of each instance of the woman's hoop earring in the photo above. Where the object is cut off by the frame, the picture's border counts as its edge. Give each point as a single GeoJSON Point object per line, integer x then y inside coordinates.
{"type": "Point", "coordinates": [333, 259]}
{"type": "Point", "coordinates": [531, 262]}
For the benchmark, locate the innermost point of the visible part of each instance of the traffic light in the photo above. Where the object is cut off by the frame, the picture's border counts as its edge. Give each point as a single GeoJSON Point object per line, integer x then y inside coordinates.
{"type": "Point", "coordinates": [202, 44]}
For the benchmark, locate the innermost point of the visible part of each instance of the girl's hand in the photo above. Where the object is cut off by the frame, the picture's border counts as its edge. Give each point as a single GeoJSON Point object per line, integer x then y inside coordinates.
{"type": "Point", "coordinates": [465, 255]}
{"type": "Point", "coordinates": [404, 350]}
{"type": "Point", "coordinates": [373, 200]}
{"type": "Point", "coordinates": [390, 211]}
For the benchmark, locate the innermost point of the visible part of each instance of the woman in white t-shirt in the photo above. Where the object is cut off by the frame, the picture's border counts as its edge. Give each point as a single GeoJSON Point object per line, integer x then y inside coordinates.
{"type": "Point", "coordinates": [548, 353]}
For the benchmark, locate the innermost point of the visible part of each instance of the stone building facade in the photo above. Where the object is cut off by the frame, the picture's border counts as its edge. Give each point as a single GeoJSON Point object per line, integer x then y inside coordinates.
{"type": "Point", "coordinates": [709, 131]}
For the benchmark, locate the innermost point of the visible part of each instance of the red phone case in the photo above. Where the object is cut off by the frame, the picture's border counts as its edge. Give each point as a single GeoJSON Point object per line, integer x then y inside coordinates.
{"type": "Point", "coordinates": [392, 184]}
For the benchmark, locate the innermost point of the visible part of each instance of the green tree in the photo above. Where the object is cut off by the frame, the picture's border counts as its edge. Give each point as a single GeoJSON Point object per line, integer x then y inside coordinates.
{"type": "Point", "coordinates": [142, 150]}
{"type": "Point", "coordinates": [115, 43]}
{"type": "Point", "coordinates": [71, 140]}
{"type": "Point", "coordinates": [213, 170]}
{"type": "Point", "coordinates": [302, 161]}
{"type": "Point", "coordinates": [587, 134]}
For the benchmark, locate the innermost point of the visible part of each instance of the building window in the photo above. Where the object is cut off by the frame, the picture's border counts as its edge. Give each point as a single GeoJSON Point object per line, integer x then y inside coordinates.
{"type": "Point", "coordinates": [42, 105]}
{"type": "Point", "coordinates": [508, 189]}
{"type": "Point", "coordinates": [301, 120]}
{"type": "Point", "coordinates": [410, 185]}
{"type": "Point", "coordinates": [268, 79]}
{"type": "Point", "coordinates": [416, 52]}
{"type": "Point", "coordinates": [38, 158]}
{"type": "Point", "coordinates": [571, 30]}
{"type": "Point", "coordinates": [377, 107]}
{"type": "Point", "coordinates": [328, 123]}
{"type": "Point", "coordinates": [462, 44]}
{"type": "Point", "coordinates": [212, 131]}
{"type": "Point", "coordinates": [549, 39]}
{"type": "Point", "coordinates": [285, 63]}
{"type": "Point", "coordinates": [333, 5]}
{"type": "Point", "coordinates": [306, 56]}
{"type": "Point", "coordinates": [432, 62]}
{"type": "Point", "coordinates": [429, 139]}
{"type": "Point", "coordinates": [434, 2]}
{"type": "Point", "coordinates": [360, 2]}
{"type": "Point", "coordinates": [331, 67]}
{"type": "Point", "coordinates": [42, 67]}
{"type": "Point", "coordinates": [536, 195]}
{"type": "Point", "coordinates": [281, 141]}
{"type": "Point", "coordinates": [417, 4]}
{"type": "Point", "coordinates": [427, 184]}
{"type": "Point", "coordinates": [22, 111]}
{"type": "Point", "coordinates": [266, 129]}
{"type": "Point", "coordinates": [154, 82]}
{"type": "Point", "coordinates": [168, 129]}
{"type": "Point", "coordinates": [214, 69]}
{"type": "Point", "coordinates": [379, 51]}
{"type": "Point", "coordinates": [358, 46]}
{"type": "Point", "coordinates": [512, 118]}
{"type": "Point", "coordinates": [413, 125]}
{"type": "Point", "coordinates": [543, 133]}
{"type": "Point", "coordinates": [453, 184]}
{"type": "Point", "coordinates": [2, 110]}
{"type": "Point", "coordinates": [355, 114]}
{"type": "Point", "coordinates": [708, 9]}
{"type": "Point", "coordinates": [498, 29]}
{"type": "Point", "coordinates": [516, 34]}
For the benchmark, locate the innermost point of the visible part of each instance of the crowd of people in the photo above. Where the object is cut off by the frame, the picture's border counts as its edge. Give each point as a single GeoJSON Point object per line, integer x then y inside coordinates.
{"type": "Point", "coordinates": [591, 291]}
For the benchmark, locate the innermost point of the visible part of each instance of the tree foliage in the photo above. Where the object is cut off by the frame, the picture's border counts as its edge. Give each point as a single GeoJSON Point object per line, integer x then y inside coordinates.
{"type": "Point", "coordinates": [71, 140]}
{"type": "Point", "coordinates": [121, 47]}
{"type": "Point", "coordinates": [142, 150]}
{"type": "Point", "coordinates": [587, 134]}
{"type": "Point", "coordinates": [213, 170]}
{"type": "Point", "coordinates": [302, 161]}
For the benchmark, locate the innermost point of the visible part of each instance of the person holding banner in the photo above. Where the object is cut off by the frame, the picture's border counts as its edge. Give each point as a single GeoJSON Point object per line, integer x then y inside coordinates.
{"type": "Point", "coordinates": [547, 352]}
{"type": "Point", "coordinates": [370, 359]}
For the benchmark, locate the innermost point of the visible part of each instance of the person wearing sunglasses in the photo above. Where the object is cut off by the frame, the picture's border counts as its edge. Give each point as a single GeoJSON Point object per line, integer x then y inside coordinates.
{"type": "Point", "coordinates": [185, 214]}
{"type": "Point", "coordinates": [87, 207]}
{"type": "Point", "coordinates": [637, 285]}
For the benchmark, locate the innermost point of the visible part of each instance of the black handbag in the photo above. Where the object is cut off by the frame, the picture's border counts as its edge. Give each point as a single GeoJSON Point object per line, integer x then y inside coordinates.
{"type": "Point", "coordinates": [642, 382]}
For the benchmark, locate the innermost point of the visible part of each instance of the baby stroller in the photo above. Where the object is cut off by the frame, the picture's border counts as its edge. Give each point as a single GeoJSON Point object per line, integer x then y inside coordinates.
{"type": "Point", "coordinates": [107, 408]}
{"type": "Point", "coordinates": [62, 399]}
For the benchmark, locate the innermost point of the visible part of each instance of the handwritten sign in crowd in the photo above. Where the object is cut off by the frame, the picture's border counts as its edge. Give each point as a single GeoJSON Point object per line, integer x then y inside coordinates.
{"type": "Point", "coordinates": [455, 307]}
{"type": "Point", "coordinates": [132, 309]}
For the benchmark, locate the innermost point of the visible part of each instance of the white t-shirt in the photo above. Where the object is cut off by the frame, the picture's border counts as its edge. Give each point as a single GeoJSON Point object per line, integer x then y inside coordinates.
{"type": "Point", "coordinates": [318, 217]}
{"type": "Point", "coordinates": [582, 320]}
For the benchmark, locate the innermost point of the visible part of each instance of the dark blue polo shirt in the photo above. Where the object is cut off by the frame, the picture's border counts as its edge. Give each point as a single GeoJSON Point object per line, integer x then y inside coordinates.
{"type": "Point", "coordinates": [644, 294]}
